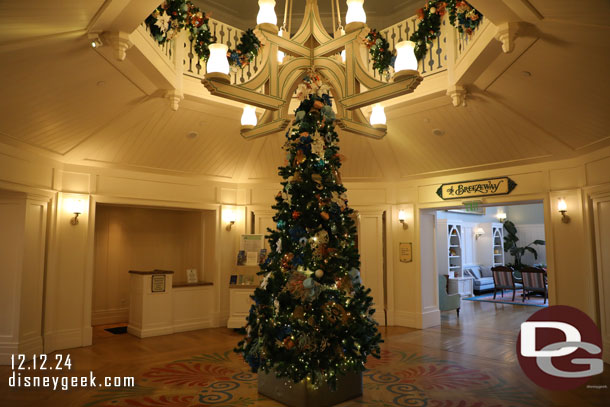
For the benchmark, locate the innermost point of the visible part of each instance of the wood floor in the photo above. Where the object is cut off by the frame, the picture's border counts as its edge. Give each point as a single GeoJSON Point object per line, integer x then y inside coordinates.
{"type": "Point", "coordinates": [468, 361]}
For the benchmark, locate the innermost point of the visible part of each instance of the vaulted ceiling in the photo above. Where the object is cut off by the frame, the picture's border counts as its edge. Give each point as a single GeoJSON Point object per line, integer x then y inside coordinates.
{"type": "Point", "coordinates": [63, 100]}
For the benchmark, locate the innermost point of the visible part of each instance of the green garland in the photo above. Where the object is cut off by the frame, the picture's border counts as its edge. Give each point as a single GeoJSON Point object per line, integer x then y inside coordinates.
{"type": "Point", "coordinates": [461, 15]}
{"type": "Point", "coordinates": [379, 48]}
{"type": "Point", "coordinates": [173, 16]}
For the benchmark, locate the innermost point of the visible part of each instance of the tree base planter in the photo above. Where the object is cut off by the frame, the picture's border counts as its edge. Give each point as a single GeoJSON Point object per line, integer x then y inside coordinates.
{"type": "Point", "coordinates": [303, 395]}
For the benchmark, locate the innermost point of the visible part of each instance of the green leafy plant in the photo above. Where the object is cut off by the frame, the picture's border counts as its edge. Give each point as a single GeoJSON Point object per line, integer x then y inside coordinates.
{"type": "Point", "coordinates": [510, 245]}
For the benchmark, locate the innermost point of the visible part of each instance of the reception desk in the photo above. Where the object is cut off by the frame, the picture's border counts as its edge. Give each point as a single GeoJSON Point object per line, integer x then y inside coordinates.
{"type": "Point", "coordinates": [157, 307]}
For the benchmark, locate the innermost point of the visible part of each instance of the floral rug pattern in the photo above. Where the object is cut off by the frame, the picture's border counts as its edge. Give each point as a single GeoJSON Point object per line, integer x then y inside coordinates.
{"type": "Point", "coordinates": [397, 379]}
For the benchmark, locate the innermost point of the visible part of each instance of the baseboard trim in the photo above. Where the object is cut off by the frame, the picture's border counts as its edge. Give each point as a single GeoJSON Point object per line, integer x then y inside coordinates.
{"type": "Point", "coordinates": [6, 350]}
{"type": "Point", "coordinates": [109, 316]}
{"type": "Point", "coordinates": [419, 320]}
{"type": "Point", "coordinates": [64, 339]}
{"type": "Point", "coordinates": [193, 324]}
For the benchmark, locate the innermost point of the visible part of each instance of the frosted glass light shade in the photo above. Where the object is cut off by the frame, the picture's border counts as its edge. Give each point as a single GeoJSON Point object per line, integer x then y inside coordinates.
{"type": "Point", "coordinates": [343, 56]}
{"type": "Point", "coordinates": [501, 216]}
{"type": "Point", "coordinates": [74, 206]}
{"type": "Point", "coordinates": [218, 61]}
{"type": "Point", "coordinates": [378, 115]}
{"type": "Point", "coordinates": [248, 117]}
{"type": "Point", "coordinates": [402, 216]}
{"type": "Point", "coordinates": [266, 12]}
{"type": "Point", "coordinates": [405, 57]}
{"type": "Point", "coordinates": [355, 12]}
{"type": "Point", "coordinates": [562, 205]}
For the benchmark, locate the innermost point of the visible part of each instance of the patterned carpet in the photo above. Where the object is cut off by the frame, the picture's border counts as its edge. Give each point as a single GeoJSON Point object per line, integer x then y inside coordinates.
{"type": "Point", "coordinates": [533, 300]}
{"type": "Point", "coordinates": [397, 379]}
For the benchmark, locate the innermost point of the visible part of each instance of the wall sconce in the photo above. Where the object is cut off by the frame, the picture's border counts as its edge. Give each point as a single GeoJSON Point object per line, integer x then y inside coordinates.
{"type": "Point", "coordinates": [229, 217]}
{"type": "Point", "coordinates": [562, 207]}
{"type": "Point", "coordinates": [402, 218]}
{"type": "Point", "coordinates": [75, 206]}
{"type": "Point", "coordinates": [478, 232]}
{"type": "Point", "coordinates": [501, 216]}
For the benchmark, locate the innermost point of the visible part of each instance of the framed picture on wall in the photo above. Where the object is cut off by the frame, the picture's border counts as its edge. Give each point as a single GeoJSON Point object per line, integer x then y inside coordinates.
{"type": "Point", "coordinates": [191, 276]}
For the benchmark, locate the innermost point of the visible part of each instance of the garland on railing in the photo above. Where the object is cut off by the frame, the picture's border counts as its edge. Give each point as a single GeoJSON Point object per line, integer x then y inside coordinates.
{"type": "Point", "coordinates": [462, 16]}
{"type": "Point", "coordinates": [379, 48]}
{"type": "Point", "coordinates": [172, 16]}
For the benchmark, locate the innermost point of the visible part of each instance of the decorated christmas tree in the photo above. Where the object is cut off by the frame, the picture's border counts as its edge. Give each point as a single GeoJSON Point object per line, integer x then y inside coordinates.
{"type": "Point", "coordinates": [312, 319]}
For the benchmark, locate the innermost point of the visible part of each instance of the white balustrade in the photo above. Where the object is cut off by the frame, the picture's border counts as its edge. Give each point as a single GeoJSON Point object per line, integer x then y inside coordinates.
{"type": "Point", "coordinates": [436, 59]}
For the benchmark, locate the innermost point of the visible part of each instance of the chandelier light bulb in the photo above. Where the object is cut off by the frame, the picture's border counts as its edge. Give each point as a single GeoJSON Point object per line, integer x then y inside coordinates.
{"type": "Point", "coordinates": [378, 115]}
{"type": "Point", "coordinates": [355, 12]}
{"type": "Point", "coordinates": [218, 61]}
{"type": "Point", "coordinates": [248, 117]}
{"type": "Point", "coordinates": [266, 12]}
{"type": "Point", "coordinates": [405, 57]}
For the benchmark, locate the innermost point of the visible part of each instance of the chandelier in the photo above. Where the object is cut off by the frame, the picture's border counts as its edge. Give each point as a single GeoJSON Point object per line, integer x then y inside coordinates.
{"type": "Point", "coordinates": [338, 59]}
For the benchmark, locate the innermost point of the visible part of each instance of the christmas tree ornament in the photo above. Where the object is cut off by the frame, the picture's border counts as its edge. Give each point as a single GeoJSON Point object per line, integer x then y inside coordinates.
{"type": "Point", "coordinates": [319, 273]}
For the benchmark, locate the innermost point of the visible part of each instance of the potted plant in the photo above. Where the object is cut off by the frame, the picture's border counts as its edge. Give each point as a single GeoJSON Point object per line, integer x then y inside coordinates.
{"type": "Point", "coordinates": [510, 245]}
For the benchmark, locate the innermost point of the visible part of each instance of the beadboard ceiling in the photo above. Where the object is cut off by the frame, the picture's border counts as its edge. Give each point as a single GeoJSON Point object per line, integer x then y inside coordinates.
{"type": "Point", "coordinates": [62, 99]}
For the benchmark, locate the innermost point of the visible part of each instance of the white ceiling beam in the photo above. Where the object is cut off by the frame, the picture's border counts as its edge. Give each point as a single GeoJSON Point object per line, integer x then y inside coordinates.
{"type": "Point", "coordinates": [121, 15]}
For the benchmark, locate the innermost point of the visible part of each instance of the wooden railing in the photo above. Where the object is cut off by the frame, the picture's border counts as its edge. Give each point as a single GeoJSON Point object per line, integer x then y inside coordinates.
{"type": "Point", "coordinates": [225, 34]}
{"type": "Point", "coordinates": [435, 61]}
{"type": "Point", "coordinates": [464, 41]}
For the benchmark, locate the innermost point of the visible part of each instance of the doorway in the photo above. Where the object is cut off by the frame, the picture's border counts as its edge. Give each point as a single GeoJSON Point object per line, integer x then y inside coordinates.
{"type": "Point", "coordinates": [461, 245]}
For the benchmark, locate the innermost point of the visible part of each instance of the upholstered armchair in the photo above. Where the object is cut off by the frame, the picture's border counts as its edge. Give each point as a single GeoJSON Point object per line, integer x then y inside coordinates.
{"type": "Point", "coordinates": [504, 279]}
{"type": "Point", "coordinates": [447, 302]}
{"type": "Point", "coordinates": [534, 281]}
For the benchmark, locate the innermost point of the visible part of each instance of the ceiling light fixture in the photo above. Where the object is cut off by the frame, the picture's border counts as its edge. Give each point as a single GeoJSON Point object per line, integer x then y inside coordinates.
{"type": "Point", "coordinates": [218, 64]}
{"type": "Point", "coordinates": [406, 63]}
{"type": "Point", "coordinates": [248, 117]}
{"type": "Point", "coordinates": [355, 12]}
{"type": "Point", "coordinates": [266, 12]}
{"type": "Point", "coordinates": [352, 85]}
{"type": "Point", "coordinates": [378, 119]}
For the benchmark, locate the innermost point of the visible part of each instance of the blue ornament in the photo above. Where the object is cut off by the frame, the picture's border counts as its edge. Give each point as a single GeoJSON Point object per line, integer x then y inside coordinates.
{"type": "Point", "coordinates": [297, 260]}
{"type": "Point", "coordinates": [296, 233]}
{"type": "Point", "coordinates": [281, 224]}
{"type": "Point", "coordinates": [355, 276]}
{"type": "Point", "coordinates": [320, 165]}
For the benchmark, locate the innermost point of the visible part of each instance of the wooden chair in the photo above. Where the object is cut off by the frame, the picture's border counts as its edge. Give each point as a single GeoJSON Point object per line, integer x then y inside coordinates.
{"type": "Point", "coordinates": [534, 281]}
{"type": "Point", "coordinates": [504, 280]}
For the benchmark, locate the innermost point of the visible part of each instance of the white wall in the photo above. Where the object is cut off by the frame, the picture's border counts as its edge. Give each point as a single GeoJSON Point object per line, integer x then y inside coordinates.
{"type": "Point", "coordinates": [527, 233]}
{"type": "Point", "coordinates": [411, 291]}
